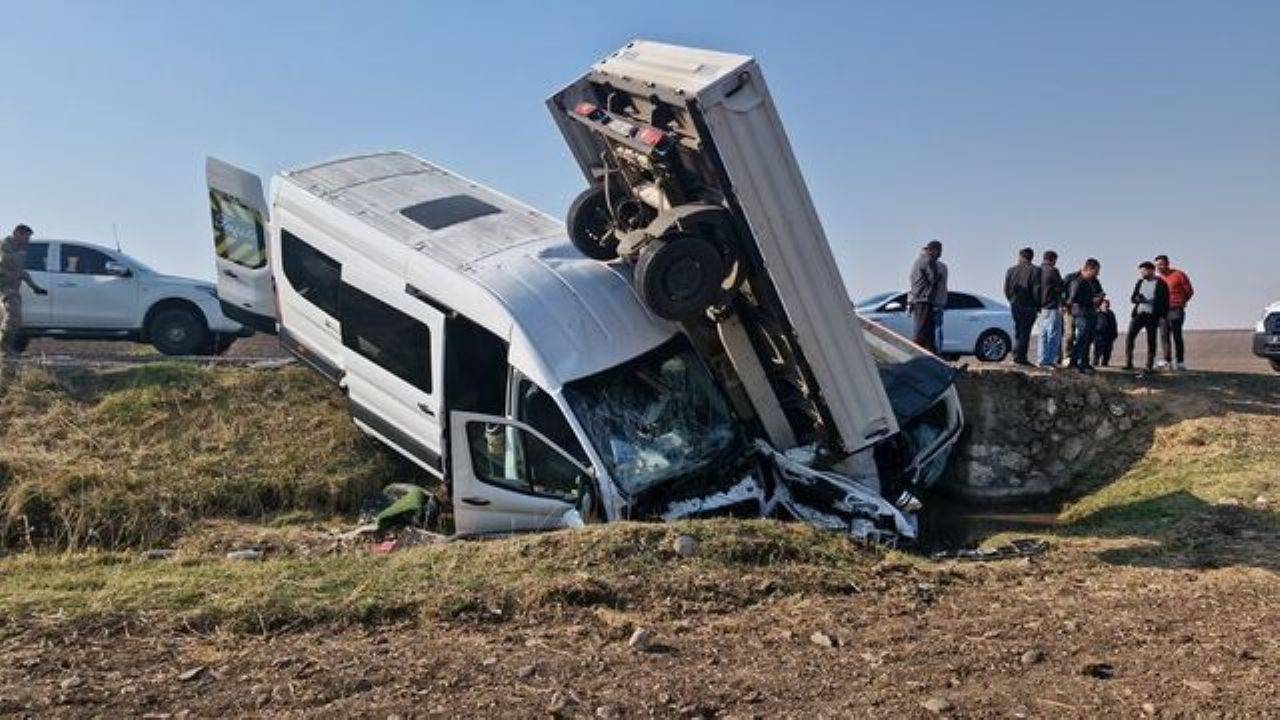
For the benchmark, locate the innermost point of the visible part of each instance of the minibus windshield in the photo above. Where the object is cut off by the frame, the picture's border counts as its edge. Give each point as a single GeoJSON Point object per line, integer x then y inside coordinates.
{"type": "Point", "coordinates": [655, 417]}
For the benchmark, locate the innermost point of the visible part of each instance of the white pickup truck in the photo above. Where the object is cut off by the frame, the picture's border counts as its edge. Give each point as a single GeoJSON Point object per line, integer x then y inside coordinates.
{"type": "Point", "coordinates": [470, 336]}
{"type": "Point", "coordinates": [97, 293]}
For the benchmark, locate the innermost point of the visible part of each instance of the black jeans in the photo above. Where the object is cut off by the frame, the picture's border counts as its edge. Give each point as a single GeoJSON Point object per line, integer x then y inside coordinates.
{"type": "Point", "coordinates": [1085, 325]}
{"type": "Point", "coordinates": [1102, 350]}
{"type": "Point", "coordinates": [1171, 329]}
{"type": "Point", "coordinates": [1139, 323]}
{"type": "Point", "coordinates": [1024, 319]}
{"type": "Point", "coordinates": [925, 330]}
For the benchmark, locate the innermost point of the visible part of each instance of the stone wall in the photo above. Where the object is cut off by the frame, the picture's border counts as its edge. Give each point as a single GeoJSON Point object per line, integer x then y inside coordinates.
{"type": "Point", "coordinates": [1030, 435]}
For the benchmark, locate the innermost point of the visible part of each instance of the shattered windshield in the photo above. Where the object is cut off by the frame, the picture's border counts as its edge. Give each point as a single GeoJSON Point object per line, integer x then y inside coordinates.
{"type": "Point", "coordinates": [656, 417]}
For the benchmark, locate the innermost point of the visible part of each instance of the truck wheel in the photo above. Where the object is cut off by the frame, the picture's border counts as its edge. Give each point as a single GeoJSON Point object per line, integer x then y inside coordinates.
{"type": "Point", "coordinates": [21, 343]}
{"type": "Point", "coordinates": [992, 346]}
{"type": "Point", "coordinates": [679, 276]}
{"type": "Point", "coordinates": [178, 332]}
{"type": "Point", "coordinates": [591, 227]}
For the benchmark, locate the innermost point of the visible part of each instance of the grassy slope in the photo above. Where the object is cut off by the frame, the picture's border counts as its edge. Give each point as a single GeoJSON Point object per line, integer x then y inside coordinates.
{"type": "Point", "coordinates": [134, 457]}
{"type": "Point", "coordinates": [1172, 498]}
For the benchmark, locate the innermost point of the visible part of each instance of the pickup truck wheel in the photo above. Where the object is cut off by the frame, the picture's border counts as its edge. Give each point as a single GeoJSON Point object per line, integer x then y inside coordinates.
{"type": "Point", "coordinates": [591, 226]}
{"type": "Point", "coordinates": [992, 346]}
{"type": "Point", "coordinates": [21, 343]}
{"type": "Point", "coordinates": [679, 276]}
{"type": "Point", "coordinates": [178, 332]}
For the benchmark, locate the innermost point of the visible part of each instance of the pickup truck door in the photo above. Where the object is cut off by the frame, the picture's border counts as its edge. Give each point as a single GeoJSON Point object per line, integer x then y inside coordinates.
{"type": "Point", "coordinates": [35, 308]}
{"type": "Point", "coordinates": [508, 477]}
{"type": "Point", "coordinates": [392, 354]}
{"type": "Point", "coordinates": [84, 293]}
{"type": "Point", "coordinates": [238, 208]}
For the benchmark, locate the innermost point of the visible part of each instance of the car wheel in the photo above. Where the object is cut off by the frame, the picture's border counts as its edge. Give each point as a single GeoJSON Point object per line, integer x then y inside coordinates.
{"type": "Point", "coordinates": [992, 346]}
{"type": "Point", "coordinates": [679, 276]}
{"type": "Point", "coordinates": [178, 332]}
{"type": "Point", "coordinates": [591, 226]}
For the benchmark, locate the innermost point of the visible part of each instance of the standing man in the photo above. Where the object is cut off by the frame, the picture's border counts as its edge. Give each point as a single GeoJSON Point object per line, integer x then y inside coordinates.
{"type": "Point", "coordinates": [13, 272]}
{"type": "Point", "coordinates": [1180, 292]}
{"type": "Point", "coordinates": [1084, 294]}
{"type": "Point", "coordinates": [1022, 289]}
{"type": "Point", "coordinates": [922, 285]}
{"type": "Point", "coordinates": [1050, 311]}
{"type": "Point", "coordinates": [1150, 305]}
{"type": "Point", "coordinates": [939, 301]}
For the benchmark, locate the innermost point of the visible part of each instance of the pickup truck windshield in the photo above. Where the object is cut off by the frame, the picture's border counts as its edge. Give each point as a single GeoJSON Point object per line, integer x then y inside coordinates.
{"type": "Point", "coordinates": [655, 417]}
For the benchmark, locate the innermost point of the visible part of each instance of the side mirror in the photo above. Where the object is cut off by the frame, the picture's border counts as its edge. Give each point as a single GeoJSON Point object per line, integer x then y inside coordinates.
{"type": "Point", "coordinates": [118, 269]}
{"type": "Point", "coordinates": [895, 306]}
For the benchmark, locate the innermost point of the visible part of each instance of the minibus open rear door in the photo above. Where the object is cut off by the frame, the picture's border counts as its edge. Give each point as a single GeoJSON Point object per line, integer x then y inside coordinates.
{"type": "Point", "coordinates": [238, 208]}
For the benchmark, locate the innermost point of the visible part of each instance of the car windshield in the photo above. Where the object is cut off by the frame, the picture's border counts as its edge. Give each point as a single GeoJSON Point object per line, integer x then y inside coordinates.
{"type": "Point", "coordinates": [875, 299]}
{"type": "Point", "coordinates": [655, 417]}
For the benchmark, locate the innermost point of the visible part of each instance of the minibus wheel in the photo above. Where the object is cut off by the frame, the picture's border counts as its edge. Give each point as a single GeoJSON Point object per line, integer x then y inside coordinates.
{"type": "Point", "coordinates": [679, 276]}
{"type": "Point", "coordinates": [592, 227]}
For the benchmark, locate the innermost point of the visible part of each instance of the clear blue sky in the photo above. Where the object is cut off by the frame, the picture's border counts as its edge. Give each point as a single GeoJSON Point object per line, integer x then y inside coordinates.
{"type": "Point", "coordinates": [1096, 128]}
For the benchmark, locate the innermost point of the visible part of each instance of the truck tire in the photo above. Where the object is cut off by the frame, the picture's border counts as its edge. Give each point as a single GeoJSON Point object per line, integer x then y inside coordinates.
{"type": "Point", "coordinates": [679, 276]}
{"type": "Point", "coordinates": [591, 227]}
{"type": "Point", "coordinates": [21, 343]}
{"type": "Point", "coordinates": [178, 331]}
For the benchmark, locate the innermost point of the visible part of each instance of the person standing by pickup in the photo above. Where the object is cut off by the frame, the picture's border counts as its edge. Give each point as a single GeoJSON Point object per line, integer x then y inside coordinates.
{"type": "Point", "coordinates": [1050, 311]}
{"type": "Point", "coordinates": [922, 284]}
{"type": "Point", "coordinates": [13, 272]}
{"type": "Point", "coordinates": [1180, 292]}
{"type": "Point", "coordinates": [1150, 305]}
{"type": "Point", "coordinates": [1022, 289]}
{"type": "Point", "coordinates": [1084, 293]}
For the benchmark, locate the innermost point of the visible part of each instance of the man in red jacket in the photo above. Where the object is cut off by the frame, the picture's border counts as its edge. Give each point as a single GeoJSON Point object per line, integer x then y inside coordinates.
{"type": "Point", "coordinates": [1180, 292]}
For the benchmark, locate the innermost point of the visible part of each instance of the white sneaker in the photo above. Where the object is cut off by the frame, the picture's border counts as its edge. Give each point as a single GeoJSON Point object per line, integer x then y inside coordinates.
{"type": "Point", "coordinates": [1162, 365]}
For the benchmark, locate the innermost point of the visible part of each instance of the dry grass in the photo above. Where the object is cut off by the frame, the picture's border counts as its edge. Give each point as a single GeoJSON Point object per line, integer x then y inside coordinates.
{"type": "Point", "coordinates": [132, 457]}
{"type": "Point", "coordinates": [625, 566]}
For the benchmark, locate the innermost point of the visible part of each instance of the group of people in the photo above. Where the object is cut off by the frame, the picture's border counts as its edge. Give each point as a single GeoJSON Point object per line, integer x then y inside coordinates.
{"type": "Point", "coordinates": [1077, 327]}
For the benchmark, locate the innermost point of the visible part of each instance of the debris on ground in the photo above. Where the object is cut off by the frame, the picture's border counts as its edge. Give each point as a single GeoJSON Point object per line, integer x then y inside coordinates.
{"type": "Point", "coordinates": [249, 554]}
{"type": "Point", "coordinates": [1022, 547]}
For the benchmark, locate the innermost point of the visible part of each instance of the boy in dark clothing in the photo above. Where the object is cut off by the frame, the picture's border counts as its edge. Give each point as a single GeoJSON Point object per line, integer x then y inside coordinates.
{"type": "Point", "coordinates": [1104, 338]}
{"type": "Point", "coordinates": [1022, 289]}
{"type": "Point", "coordinates": [1150, 304]}
{"type": "Point", "coordinates": [1084, 293]}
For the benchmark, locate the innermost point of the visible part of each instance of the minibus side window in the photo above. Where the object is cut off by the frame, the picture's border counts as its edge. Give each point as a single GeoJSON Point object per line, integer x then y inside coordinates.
{"type": "Point", "coordinates": [539, 410]}
{"type": "Point", "coordinates": [389, 338]}
{"type": "Point", "coordinates": [311, 273]}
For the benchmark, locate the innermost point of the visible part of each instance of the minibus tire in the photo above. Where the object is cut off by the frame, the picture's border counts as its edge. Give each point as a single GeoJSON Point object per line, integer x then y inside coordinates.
{"type": "Point", "coordinates": [591, 227]}
{"type": "Point", "coordinates": [679, 276]}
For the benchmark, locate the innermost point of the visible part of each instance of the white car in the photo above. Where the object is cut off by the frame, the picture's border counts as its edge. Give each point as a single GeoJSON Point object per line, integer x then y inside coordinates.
{"type": "Point", "coordinates": [971, 325]}
{"type": "Point", "coordinates": [1266, 335]}
{"type": "Point", "coordinates": [100, 294]}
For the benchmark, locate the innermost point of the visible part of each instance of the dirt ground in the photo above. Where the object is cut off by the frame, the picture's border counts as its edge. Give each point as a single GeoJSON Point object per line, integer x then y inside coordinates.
{"type": "Point", "coordinates": [1084, 631]}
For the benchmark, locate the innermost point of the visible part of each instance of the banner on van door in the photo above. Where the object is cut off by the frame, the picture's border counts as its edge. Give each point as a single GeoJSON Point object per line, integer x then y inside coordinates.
{"type": "Point", "coordinates": [238, 231]}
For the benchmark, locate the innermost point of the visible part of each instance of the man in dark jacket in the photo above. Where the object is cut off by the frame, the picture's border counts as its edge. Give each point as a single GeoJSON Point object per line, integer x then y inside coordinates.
{"type": "Point", "coordinates": [1050, 311]}
{"type": "Point", "coordinates": [1150, 305]}
{"type": "Point", "coordinates": [1022, 289]}
{"type": "Point", "coordinates": [1084, 293]}
{"type": "Point", "coordinates": [922, 288]}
